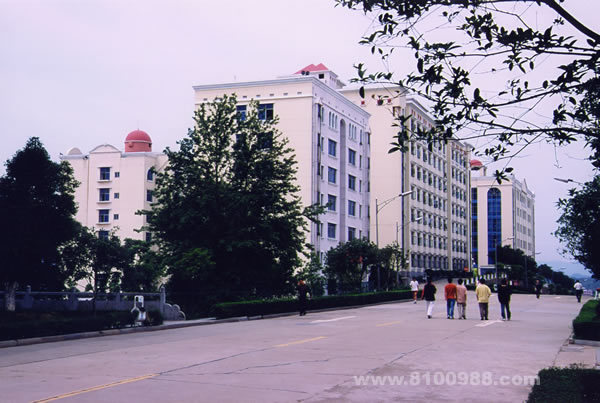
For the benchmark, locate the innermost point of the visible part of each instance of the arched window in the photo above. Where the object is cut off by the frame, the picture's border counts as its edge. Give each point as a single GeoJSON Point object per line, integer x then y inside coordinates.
{"type": "Point", "coordinates": [494, 220]}
{"type": "Point", "coordinates": [150, 174]}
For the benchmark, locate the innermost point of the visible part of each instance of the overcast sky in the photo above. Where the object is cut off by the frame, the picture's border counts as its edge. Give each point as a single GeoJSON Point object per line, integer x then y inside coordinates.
{"type": "Point", "coordinates": [87, 72]}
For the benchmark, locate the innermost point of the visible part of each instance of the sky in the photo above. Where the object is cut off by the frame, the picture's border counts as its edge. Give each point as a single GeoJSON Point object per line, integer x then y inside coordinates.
{"type": "Point", "coordinates": [84, 73]}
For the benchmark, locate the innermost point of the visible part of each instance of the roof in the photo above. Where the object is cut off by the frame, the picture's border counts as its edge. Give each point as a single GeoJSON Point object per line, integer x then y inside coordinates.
{"type": "Point", "coordinates": [313, 68]}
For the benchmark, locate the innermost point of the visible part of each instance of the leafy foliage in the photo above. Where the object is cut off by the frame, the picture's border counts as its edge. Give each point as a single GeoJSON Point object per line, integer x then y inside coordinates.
{"type": "Point", "coordinates": [349, 262]}
{"type": "Point", "coordinates": [579, 225]}
{"type": "Point", "coordinates": [228, 219]}
{"type": "Point", "coordinates": [313, 274]}
{"type": "Point", "coordinates": [38, 208]}
{"type": "Point", "coordinates": [495, 39]}
{"type": "Point", "coordinates": [144, 269]}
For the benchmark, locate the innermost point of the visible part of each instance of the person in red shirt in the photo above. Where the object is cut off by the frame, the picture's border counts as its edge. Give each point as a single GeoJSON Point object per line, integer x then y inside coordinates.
{"type": "Point", "coordinates": [450, 293]}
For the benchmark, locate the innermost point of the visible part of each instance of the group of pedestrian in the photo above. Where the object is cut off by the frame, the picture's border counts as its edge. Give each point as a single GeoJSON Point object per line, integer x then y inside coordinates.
{"type": "Point", "coordinates": [456, 296]}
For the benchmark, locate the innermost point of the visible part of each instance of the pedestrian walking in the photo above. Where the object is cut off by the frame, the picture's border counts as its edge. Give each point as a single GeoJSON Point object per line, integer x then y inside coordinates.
{"type": "Point", "coordinates": [504, 292]}
{"type": "Point", "coordinates": [578, 290]}
{"type": "Point", "coordinates": [450, 294]}
{"type": "Point", "coordinates": [303, 295]}
{"type": "Point", "coordinates": [414, 287]}
{"type": "Point", "coordinates": [428, 295]}
{"type": "Point", "coordinates": [461, 299]}
{"type": "Point", "coordinates": [538, 288]}
{"type": "Point", "coordinates": [483, 293]}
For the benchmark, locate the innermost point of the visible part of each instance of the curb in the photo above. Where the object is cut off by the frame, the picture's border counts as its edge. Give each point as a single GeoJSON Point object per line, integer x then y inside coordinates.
{"type": "Point", "coordinates": [201, 322]}
{"type": "Point", "coordinates": [586, 342]}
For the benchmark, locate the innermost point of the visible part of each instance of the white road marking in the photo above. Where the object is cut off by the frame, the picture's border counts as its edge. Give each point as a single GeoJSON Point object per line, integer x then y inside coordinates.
{"type": "Point", "coordinates": [556, 297]}
{"type": "Point", "coordinates": [332, 320]}
{"type": "Point", "coordinates": [487, 323]}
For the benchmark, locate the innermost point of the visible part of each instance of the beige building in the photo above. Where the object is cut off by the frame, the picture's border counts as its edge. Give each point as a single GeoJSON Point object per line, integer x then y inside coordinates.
{"type": "Point", "coordinates": [503, 214]}
{"type": "Point", "coordinates": [114, 184]}
{"type": "Point", "coordinates": [330, 137]}
{"type": "Point", "coordinates": [431, 223]}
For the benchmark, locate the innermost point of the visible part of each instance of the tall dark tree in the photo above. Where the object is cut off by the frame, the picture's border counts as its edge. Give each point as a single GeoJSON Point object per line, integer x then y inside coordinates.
{"type": "Point", "coordinates": [349, 262]}
{"type": "Point", "coordinates": [37, 207]}
{"type": "Point", "coordinates": [229, 197]}
{"type": "Point", "coordinates": [144, 267]}
{"type": "Point", "coordinates": [456, 42]}
{"type": "Point", "coordinates": [579, 225]}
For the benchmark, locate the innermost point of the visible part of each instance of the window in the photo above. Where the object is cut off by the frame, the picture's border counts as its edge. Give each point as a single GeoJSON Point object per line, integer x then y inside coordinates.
{"type": "Point", "coordinates": [241, 112]}
{"type": "Point", "coordinates": [331, 230]}
{"type": "Point", "coordinates": [351, 208]}
{"type": "Point", "coordinates": [116, 196]}
{"type": "Point", "coordinates": [351, 182]}
{"type": "Point", "coordinates": [103, 215]}
{"type": "Point", "coordinates": [332, 175]}
{"type": "Point", "coordinates": [104, 194]}
{"type": "Point", "coordinates": [117, 174]}
{"type": "Point", "coordinates": [148, 236]}
{"type": "Point", "coordinates": [103, 235]}
{"type": "Point", "coordinates": [150, 174]}
{"type": "Point", "coordinates": [352, 157]}
{"type": "Point", "coordinates": [351, 233]}
{"type": "Point", "coordinates": [105, 174]}
{"type": "Point", "coordinates": [148, 195]}
{"type": "Point", "coordinates": [331, 202]}
{"type": "Point", "coordinates": [332, 148]}
{"type": "Point", "coordinates": [265, 111]}
{"type": "Point", "coordinates": [115, 216]}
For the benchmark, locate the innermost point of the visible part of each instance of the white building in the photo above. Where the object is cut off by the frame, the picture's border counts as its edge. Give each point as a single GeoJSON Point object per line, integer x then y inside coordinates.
{"type": "Point", "coordinates": [503, 214]}
{"type": "Point", "coordinates": [115, 184]}
{"type": "Point", "coordinates": [431, 224]}
{"type": "Point", "coordinates": [330, 137]}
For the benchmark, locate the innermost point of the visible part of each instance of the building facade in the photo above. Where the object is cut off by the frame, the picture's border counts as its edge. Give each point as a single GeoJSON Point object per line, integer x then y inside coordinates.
{"type": "Point", "coordinates": [431, 223]}
{"type": "Point", "coordinates": [502, 214]}
{"type": "Point", "coordinates": [330, 137]}
{"type": "Point", "coordinates": [115, 184]}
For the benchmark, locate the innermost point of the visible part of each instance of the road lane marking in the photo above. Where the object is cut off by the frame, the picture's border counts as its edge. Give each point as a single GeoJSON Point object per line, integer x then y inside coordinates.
{"type": "Point", "coordinates": [332, 320]}
{"type": "Point", "coordinates": [556, 297]}
{"type": "Point", "coordinates": [301, 341]}
{"type": "Point", "coordinates": [491, 322]}
{"type": "Point", "coordinates": [92, 389]}
{"type": "Point", "coordinates": [389, 323]}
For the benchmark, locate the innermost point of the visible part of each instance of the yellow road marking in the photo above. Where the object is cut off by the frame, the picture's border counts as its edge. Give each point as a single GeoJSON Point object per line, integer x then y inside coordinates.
{"type": "Point", "coordinates": [92, 389]}
{"type": "Point", "coordinates": [389, 323]}
{"type": "Point", "coordinates": [301, 341]}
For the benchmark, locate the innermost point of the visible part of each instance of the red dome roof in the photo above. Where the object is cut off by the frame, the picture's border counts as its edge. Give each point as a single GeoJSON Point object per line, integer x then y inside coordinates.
{"type": "Point", "coordinates": [138, 135]}
{"type": "Point", "coordinates": [138, 141]}
{"type": "Point", "coordinates": [476, 164]}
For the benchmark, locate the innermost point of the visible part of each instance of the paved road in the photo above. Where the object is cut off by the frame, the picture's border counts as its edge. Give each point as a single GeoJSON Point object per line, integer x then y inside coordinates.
{"type": "Point", "coordinates": [315, 358]}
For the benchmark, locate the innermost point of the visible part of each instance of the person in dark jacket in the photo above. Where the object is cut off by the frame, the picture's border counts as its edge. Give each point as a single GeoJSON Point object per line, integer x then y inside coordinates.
{"type": "Point", "coordinates": [303, 295]}
{"type": "Point", "coordinates": [504, 292]}
{"type": "Point", "coordinates": [538, 288]}
{"type": "Point", "coordinates": [428, 295]}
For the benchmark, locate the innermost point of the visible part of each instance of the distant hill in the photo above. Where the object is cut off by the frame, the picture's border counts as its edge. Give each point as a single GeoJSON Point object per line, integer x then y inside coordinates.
{"type": "Point", "coordinates": [590, 283]}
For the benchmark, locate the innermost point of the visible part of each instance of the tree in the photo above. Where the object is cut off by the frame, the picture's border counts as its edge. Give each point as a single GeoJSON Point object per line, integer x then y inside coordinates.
{"type": "Point", "coordinates": [495, 39]}
{"type": "Point", "coordinates": [579, 225]}
{"type": "Point", "coordinates": [348, 263]}
{"type": "Point", "coordinates": [37, 206]}
{"type": "Point", "coordinates": [229, 198]}
{"type": "Point", "coordinates": [144, 268]}
{"type": "Point", "coordinates": [312, 273]}
{"type": "Point", "coordinates": [391, 262]}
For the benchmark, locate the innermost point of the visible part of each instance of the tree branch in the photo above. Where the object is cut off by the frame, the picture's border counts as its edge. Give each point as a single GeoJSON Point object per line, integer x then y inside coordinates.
{"type": "Point", "coordinates": [574, 21]}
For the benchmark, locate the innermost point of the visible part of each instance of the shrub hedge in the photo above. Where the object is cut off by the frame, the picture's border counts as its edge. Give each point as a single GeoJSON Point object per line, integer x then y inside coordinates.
{"type": "Point", "coordinates": [587, 324]}
{"type": "Point", "coordinates": [559, 385]}
{"type": "Point", "coordinates": [283, 305]}
{"type": "Point", "coordinates": [22, 325]}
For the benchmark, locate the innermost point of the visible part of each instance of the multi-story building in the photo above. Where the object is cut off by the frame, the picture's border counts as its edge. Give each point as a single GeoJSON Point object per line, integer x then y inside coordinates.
{"type": "Point", "coordinates": [114, 184]}
{"type": "Point", "coordinates": [502, 214]}
{"type": "Point", "coordinates": [330, 137]}
{"type": "Point", "coordinates": [431, 223]}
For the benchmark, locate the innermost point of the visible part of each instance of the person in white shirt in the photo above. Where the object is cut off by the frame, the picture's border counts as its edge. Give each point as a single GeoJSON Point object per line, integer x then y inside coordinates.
{"type": "Point", "coordinates": [414, 287]}
{"type": "Point", "coordinates": [578, 290]}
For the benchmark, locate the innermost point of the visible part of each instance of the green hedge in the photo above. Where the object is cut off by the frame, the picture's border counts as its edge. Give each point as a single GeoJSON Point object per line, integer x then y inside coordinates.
{"type": "Point", "coordinates": [283, 305]}
{"type": "Point", "coordinates": [23, 325]}
{"type": "Point", "coordinates": [559, 385]}
{"type": "Point", "coordinates": [587, 324]}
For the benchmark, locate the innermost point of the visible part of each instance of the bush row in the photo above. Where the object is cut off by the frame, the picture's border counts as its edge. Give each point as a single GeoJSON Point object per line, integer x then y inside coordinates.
{"type": "Point", "coordinates": [576, 385]}
{"type": "Point", "coordinates": [587, 324]}
{"type": "Point", "coordinates": [22, 325]}
{"type": "Point", "coordinates": [283, 305]}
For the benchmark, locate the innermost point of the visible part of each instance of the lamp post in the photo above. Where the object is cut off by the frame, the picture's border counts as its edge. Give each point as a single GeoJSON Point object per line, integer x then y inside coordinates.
{"type": "Point", "coordinates": [568, 180]}
{"type": "Point", "coordinates": [378, 208]}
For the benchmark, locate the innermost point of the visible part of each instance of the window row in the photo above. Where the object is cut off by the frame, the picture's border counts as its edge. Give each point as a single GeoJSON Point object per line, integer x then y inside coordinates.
{"type": "Point", "coordinates": [429, 261]}
{"type": "Point", "coordinates": [332, 174]}
{"type": "Point", "coordinates": [458, 228]}
{"type": "Point", "coordinates": [428, 198]}
{"type": "Point", "coordinates": [459, 175]}
{"type": "Point", "coordinates": [427, 219]}
{"type": "Point", "coordinates": [428, 240]}
{"type": "Point", "coordinates": [265, 111]}
{"type": "Point", "coordinates": [459, 157]}
{"type": "Point", "coordinates": [332, 150]}
{"type": "Point", "coordinates": [332, 205]}
{"type": "Point", "coordinates": [332, 231]}
{"type": "Point", "coordinates": [459, 211]}
{"type": "Point", "coordinates": [428, 156]}
{"type": "Point", "coordinates": [459, 193]}
{"type": "Point", "coordinates": [104, 216]}
{"type": "Point", "coordinates": [428, 178]}
{"type": "Point", "coordinates": [104, 195]}
{"type": "Point", "coordinates": [333, 121]}
{"type": "Point", "coordinates": [106, 171]}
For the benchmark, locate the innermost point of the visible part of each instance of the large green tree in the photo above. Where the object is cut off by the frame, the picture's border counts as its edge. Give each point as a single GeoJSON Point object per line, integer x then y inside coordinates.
{"type": "Point", "coordinates": [228, 216]}
{"type": "Point", "coordinates": [37, 207]}
{"type": "Point", "coordinates": [487, 68]}
{"type": "Point", "coordinates": [349, 262]}
{"type": "Point", "coordinates": [579, 225]}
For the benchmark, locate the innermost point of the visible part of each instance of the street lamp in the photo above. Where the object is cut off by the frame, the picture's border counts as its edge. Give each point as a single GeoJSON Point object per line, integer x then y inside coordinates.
{"type": "Point", "coordinates": [496, 254]}
{"type": "Point", "coordinates": [378, 208]}
{"type": "Point", "coordinates": [567, 181]}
